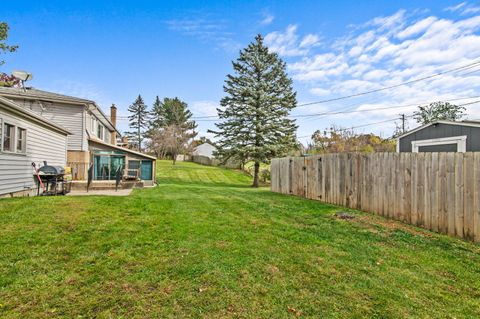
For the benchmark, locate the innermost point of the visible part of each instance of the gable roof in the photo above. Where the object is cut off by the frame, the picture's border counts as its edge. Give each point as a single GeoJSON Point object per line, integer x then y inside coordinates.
{"type": "Point", "coordinates": [205, 144]}
{"type": "Point", "coordinates": [462, 123]}
{"type": "Point", "coordinates": [30, 93]}
{"type": "Point", "coordinates": [35, 94]}
{"type": "Point", "coordinates": [15, 108]}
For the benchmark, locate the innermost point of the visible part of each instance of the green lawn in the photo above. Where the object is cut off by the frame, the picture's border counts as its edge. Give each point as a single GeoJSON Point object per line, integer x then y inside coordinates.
{"type": "Point", "coordinates": [205, 245]}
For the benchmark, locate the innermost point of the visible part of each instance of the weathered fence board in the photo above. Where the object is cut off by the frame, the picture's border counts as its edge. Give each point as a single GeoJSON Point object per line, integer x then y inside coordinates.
{"type": "Point", "coordinates": [437, 191]}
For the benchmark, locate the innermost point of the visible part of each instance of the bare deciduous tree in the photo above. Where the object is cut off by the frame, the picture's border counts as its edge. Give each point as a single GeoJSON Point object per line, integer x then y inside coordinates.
{"type": "Point", "coordinates": [173, 140]}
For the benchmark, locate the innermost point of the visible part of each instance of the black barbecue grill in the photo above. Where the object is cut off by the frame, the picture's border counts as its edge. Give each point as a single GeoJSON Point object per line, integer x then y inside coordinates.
{"type": "Point", "coordinates": [53, 179]}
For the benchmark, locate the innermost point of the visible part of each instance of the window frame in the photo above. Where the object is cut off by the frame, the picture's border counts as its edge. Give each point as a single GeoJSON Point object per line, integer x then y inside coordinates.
{"type": "Point", "coordinates": [461, 142]}
{"type": "Point", "coordinates": [100, 131]}
{"type": "Point", "coordinates": [24, 151]}
{"type": "Point", "coordinates": [16, 127]}
{"type": "Point", "coordinates": [13, 145]}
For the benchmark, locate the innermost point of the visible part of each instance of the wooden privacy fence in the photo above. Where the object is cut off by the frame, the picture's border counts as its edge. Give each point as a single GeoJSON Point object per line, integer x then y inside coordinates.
{"type": "Point", "coordinates": [436, 191]}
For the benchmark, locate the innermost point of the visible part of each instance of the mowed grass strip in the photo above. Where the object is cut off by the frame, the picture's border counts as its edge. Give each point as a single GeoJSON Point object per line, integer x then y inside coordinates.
{"type": "Point", "coordinates": [204, 244]}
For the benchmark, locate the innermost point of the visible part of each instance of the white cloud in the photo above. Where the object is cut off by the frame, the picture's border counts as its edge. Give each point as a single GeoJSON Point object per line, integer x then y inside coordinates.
{"type": "Point", "coordinates": [464, 8]}
{"type": "Point", "coordinates": [206, 30]}
{"type": "Point", "coordinates": [456, 7]}
{"type": "Point", "coordinates": [288, 43]}
{"type": "Point", "coordinates": [386, 51]}
{"type": "Point", "coordinates": [204, 108]}
{"type": "Point", "coordinates": [319, 91]}
{"type": "Point", "coordinates": [388, 22]}
{"type": "Point", "coordinates": [309, 40]}
{"type": "Point", "coordinates": [416, 28]}
{"type": "Point", "coordinates": [267, 19]}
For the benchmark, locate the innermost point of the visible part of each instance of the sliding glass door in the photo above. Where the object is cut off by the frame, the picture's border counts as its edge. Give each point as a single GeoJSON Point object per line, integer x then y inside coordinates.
{"type": "Point", "coordinates": [105, 166]}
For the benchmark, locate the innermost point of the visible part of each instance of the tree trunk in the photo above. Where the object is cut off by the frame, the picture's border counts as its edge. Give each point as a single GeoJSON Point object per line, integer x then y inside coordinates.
{"type": "Point", "coordinates": [256, 173]}
{"type": "Point", "coordinates": [174, 158]}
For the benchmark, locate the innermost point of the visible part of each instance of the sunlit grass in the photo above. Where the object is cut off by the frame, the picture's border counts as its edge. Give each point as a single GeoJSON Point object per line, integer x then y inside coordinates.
{"type": "Point", "coordinates": [204, 244]}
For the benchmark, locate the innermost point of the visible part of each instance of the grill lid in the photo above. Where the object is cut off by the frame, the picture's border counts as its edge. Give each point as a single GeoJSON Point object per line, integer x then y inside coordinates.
{"type": "Point", "coordinates": [51, 170]}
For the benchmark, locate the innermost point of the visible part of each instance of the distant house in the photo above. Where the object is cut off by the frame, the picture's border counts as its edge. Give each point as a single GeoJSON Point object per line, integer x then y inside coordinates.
{"type": "Point", "coordinates": [442, 136]}
{"type": "Point", "coordinates": [26, 138]}
{"type": "Point", "coordinates": [93, 135]}
{"type": "Point", "coordinates": [205, 149]}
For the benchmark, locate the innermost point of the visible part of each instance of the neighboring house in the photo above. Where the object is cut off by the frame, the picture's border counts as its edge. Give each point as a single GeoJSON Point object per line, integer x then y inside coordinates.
{"type": "Point", "coordinates": [205, 149]}
{"type": "Point", "coordinates": [442, 136]}
{"type": "Point", "coordinates": [26, 138]}
{"type": "Point", "coordinates": [93, 139]}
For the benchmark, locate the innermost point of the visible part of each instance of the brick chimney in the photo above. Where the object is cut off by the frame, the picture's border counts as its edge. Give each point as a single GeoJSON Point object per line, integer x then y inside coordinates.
{"type": "Point", "coordinates": [113, 119]}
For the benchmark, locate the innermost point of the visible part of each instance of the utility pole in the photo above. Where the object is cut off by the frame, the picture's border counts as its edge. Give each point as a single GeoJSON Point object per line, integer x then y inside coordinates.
{"type": "Point", "coordinates": [403, 122]}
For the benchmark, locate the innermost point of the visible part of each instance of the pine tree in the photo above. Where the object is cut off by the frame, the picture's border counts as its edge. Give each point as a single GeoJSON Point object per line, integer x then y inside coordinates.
{"type": "Point", "coordinates": [171, 127]}
{"type": "Point", "coordinates": [171, 111]}
{"type": "Point", "coordinates": [254, 115]}
{"type": "Point", "coordinates": [138, 120]}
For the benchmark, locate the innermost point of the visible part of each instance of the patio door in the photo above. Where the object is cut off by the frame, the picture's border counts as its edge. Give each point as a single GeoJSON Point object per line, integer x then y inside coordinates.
{"type": "Point", "coordinates": [146, 170]}
{"type": "Point", "coordinates": [101, 167]}
{"type": "Point", "coordinates": [105, 166]}
{"type": "Point", "coordinates": [116, 162]}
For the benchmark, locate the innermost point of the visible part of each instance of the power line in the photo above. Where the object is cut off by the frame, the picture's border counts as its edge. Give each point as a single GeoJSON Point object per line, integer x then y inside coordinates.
{"type": "Point", "coordinates": [363, 125]}
{"type": "Point", "coordinates": [468, 66]}
{"type": "Point", "coordinates": [212, 118]}
{"type": "Point", "coordinates": [385, 108]}
{"type": "Point", "coordinates": [402, 117]}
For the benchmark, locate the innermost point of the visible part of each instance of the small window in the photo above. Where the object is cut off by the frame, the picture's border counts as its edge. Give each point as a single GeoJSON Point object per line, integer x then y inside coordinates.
{"type": "Point", "coordinates": [8, 137]}
{"type": "Point", "coordinates": [100, 131]}
{"type": "Point", "coordinates": [106, 135]}
{"type": "Point", "coordinates": [21, 140]}
{"type": "Point", "coordinates": [133, 164]}
{"type": "Point", "coordinates": [93, 125]}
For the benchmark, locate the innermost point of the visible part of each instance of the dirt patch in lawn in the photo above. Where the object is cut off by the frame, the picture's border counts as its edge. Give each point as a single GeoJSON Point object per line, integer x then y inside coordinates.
{"type": "Point", "coordinates": [373, 222]}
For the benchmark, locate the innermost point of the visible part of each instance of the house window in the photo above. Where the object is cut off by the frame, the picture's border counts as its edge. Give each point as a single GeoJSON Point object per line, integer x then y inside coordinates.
{"type": "Point", "coordinates": [106, 135]}
{"type": "Point", "coordinates": [100, 130]}
{"type": "Point", "coordinates": [12, 138]}
{"type": "Point", "coordinates": [21, 140]}
{"type": "Point", "coordinates": [133, 164]}
{"type": "Point", "coordinates": [8, 137]}
{"type": "Point", "coordinates": [93, 126]}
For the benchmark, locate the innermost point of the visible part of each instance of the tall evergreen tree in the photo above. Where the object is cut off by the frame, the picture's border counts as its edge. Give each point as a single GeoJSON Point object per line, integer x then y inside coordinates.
{"type": "Point", "coordinates": [171, 127]}
{"type": "Point", "coordinates": [254, 115]}
{"type": "Point", "coordinates": [171, 111]}
{"type": "Point", "coordinates": [138, 120]}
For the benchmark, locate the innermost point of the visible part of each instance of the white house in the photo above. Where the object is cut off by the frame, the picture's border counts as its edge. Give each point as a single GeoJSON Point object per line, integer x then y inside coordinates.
{"type": "Point", "coordinates": [27, 137]}
{"type": "Point", "coordinates": [205, 149]}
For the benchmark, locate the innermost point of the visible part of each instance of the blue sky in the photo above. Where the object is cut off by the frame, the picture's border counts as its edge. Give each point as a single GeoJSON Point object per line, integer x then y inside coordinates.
{"type": "Point", "coordinates": [111, 51]}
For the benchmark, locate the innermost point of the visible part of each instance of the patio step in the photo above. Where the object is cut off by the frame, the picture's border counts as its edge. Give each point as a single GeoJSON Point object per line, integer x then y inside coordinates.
{"type": "Point", "coordinates": [106, 185]}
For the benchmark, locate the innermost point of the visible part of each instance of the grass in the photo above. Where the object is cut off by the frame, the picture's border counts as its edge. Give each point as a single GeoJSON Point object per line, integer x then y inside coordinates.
{"type": "Point", "coordinates": [205, 245]}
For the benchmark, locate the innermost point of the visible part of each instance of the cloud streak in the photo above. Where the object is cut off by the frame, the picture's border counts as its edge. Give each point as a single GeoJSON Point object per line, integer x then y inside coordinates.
{"type": "Point", "coordinates": [207, 31]}
{"type": "Point", "coordinates": [289, 43]}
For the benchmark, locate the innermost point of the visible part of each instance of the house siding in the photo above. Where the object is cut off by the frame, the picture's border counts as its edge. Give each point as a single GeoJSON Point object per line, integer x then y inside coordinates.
{"type": "Point", "coordinates": [42, 144]}
{"type": "Point", "coordinates": [71, 117]}
{"type": "Point", "coordinates": [93, 130]}
{"type": "Point", "coordinates": [442, 130]}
